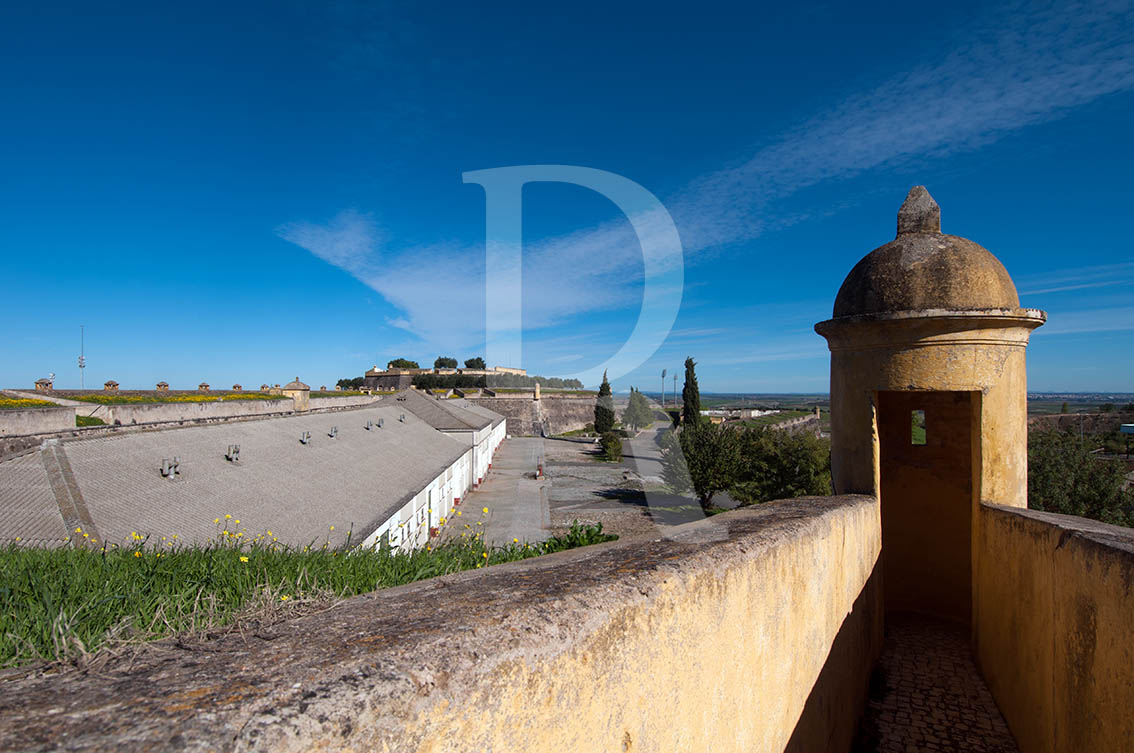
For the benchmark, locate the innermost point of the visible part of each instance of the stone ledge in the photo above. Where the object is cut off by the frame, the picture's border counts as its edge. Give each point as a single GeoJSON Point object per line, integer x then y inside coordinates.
{"type": "Point", "coordinates": [354, 676]}
{"type": "Point", "coordinates": [1117, 538]}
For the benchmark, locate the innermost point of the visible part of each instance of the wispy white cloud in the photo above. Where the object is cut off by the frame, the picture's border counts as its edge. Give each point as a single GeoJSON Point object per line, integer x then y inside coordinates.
{"type": "Point", "coordinates": [1111, 319]}
{"type": "Point", "coordinates": [1077, 278]}
{"type": "Point", "coordinates": [1020, 65]}
{"type": "Point", "coordinates": [350, 241]}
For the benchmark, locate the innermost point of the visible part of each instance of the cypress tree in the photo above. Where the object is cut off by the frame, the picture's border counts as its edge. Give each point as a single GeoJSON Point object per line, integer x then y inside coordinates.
{"type": "Point", "coordinates": [604, 407]}
{"type": "Point", "coordinates": [690, 396]}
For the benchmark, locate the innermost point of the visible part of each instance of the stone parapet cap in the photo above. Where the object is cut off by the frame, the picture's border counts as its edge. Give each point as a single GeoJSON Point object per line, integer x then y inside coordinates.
{"type": "Point", "coordinates": [1117, 540]}
{"type": "Point", "coordinates": [1005, 327]}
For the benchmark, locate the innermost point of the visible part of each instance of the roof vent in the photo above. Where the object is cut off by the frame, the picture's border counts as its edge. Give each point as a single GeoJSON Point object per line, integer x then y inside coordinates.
{"type": "Point", "coordinates": [381, 422]}
{"type": "Point", "coordinates": [305, 437]}
{"type": "Point", "coordinates": [369, 425]}
{"type": "Point", "coordinates": [233, 454]}
{"type": "Point", "coordinates": [334, 432]}
{"type": "Point", "coordinates": [171, 469]}
{"type": "Point", "coordinates": [402, 418]}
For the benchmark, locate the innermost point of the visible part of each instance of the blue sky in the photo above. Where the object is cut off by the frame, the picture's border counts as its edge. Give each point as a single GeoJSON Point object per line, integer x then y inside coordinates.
{"type": "Point", "coordinates": [246, 194]}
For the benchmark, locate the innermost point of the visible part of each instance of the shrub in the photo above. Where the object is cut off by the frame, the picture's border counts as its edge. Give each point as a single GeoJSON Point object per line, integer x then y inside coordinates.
{"type": "Point", "coordinates": [611, 446]}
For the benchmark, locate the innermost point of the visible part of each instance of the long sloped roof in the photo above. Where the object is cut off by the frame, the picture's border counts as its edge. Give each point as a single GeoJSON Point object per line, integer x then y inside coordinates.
{"type": "Point", "coordinates": [480, 410]}
{"type": "Point", "coordinates": [440, 414]}
{"type": "Point", "coordinates": [356, 479]}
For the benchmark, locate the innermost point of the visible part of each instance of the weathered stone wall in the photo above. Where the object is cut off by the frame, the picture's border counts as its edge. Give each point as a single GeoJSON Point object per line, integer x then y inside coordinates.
{"type": "Point", "coordinates": [146, 413]}
{"type": "Point", "coordinates": [753, 630]}
{"type": "Point", "coordinates": [561, 412]}
{"type": "Point", "coordinates": [1090, 423]}
{"type": "Point", "coordinates": [517, 411]}
{"type": "Point", "coordinates": [36, 421]}
{"type": "Point", "coordinates": [1053, 605]}
{"type": "Point", "coordinates": [351, 401]}
{"type": "Point", "coordinates": [567, 413]}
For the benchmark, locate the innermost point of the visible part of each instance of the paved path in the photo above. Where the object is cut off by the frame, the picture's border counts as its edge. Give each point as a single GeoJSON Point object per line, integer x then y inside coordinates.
{"type": "Point", "coordinates": [934, 699]}
{"type": "Point", "coordinates": [643, 453]}
{"type": "Point", "coordinates": [516, 502]}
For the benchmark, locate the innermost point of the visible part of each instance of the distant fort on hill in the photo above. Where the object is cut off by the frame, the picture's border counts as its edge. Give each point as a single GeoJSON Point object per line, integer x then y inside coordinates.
{"type": "Point", "coordinates": [393, 378]}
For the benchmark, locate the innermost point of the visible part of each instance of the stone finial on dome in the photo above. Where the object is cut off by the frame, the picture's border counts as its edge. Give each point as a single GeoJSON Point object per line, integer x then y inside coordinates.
{"type": "Point", "coordinates": [919, 213]}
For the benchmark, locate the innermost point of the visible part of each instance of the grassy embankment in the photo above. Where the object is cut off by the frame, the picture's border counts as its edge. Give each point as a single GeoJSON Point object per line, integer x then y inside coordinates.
{"type": "Point", "coordinates": [63, 604]}
{"type": "Point", "coordinates": [23, 403]}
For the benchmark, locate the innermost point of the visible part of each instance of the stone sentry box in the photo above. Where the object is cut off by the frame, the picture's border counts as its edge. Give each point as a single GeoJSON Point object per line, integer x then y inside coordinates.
{"type": "Point", "coordinates": [932, 323]}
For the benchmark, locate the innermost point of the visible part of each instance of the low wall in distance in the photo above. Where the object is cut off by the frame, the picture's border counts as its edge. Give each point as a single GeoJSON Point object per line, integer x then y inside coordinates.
{"type": "Point", "coordinates": [753, 630]}
{"type": "Point", "coordinates": [352, 401]}
{"type": "Point", "coordinates": [146, 413]}
{"type": "Point", "coordinates": [36, 420]}
{"type": "Point", "coordinates": [1053, 606]}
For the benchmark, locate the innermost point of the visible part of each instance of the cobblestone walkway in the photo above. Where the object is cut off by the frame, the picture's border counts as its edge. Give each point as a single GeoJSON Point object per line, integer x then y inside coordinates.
{"type": "Point", "coordinates": [927, 695]}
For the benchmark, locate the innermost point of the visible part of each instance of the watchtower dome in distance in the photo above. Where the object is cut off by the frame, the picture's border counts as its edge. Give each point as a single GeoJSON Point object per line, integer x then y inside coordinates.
{"type": "Point", "coordinates": [929, 401]}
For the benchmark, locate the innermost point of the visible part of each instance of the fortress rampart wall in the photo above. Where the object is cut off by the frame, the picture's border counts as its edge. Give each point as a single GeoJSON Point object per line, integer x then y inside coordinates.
{"type": "Point", "coordinates": [1053, 604]}
{"type": "Point", "coordinates": [751, 630]}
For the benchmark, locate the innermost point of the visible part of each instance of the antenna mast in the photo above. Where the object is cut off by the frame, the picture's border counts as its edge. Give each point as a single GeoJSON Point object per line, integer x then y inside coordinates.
{"type": "Point", "coordinates": [82, 356]}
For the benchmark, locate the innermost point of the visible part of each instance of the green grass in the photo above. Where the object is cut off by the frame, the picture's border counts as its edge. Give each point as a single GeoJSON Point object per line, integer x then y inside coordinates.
{"type": "Point", "coordinates": [336, 393]}
{"type": "Point", "coordinates": [62, 604]}
{"type": "Point", "coordinates": [89, 421]}
{"type": "Point", "coordinates": [578, 433]}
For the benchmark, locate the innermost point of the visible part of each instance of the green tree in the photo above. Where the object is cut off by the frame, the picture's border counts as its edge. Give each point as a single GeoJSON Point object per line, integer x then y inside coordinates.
{"type": "Point", "coordinates": [777, 464]}
{"type": "Point", "coordinates": [402, 363]}
{"type": "Point", "coordinates": [1106, 407]}
{"type": "Point", "coordinates": [690, 395]}
{"type": "Point", "coordinates": [637, 413]}
{"type": "Point", "coordinates": [604, 408]}
{"type": "Point", "coordinates": [702, 457]}
{"type": "Point", "coordinates": [475, 363]}
{"type": "Point", "coordinates": [444, 362]}
{"type": "Point", "coordinates": [611, 445]}
{"type": "Point", "coordinates": [1063, 408]}
{"type": "Point", "coordinates": [1064, 477]}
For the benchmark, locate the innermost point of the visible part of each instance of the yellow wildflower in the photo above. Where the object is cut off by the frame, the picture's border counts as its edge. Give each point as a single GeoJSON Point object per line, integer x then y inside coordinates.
{"type": "Point", "coordinates": [229, 517]}
{"type": "Point", "coordinates": [243, 559]}
{"type": "Point", "coordinates": [515, 541]}
{"type": "Point", "coordinates": [332, 528]}
{"type": "Point", "coordinates": [137, 554]}
{"type": "Point", "coordinates": [285, 597]}
{"type": "Point", "coordinates": [484, 510]}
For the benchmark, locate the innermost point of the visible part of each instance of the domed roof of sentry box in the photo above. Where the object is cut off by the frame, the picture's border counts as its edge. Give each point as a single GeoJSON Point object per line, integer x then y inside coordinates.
{"type": "Point", "coordinates": [924, 269]}
{"type": "Point", "coordinates": [296, 385]}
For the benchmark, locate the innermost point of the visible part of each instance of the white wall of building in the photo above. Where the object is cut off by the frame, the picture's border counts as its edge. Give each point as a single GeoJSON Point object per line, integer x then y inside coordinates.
{"type": "Point", "coordinates": [408, 527]}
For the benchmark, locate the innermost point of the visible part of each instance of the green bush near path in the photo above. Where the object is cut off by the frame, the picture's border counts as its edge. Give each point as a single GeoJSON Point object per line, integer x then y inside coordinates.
{"type": "Point", "coordinates": [62, 604]}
